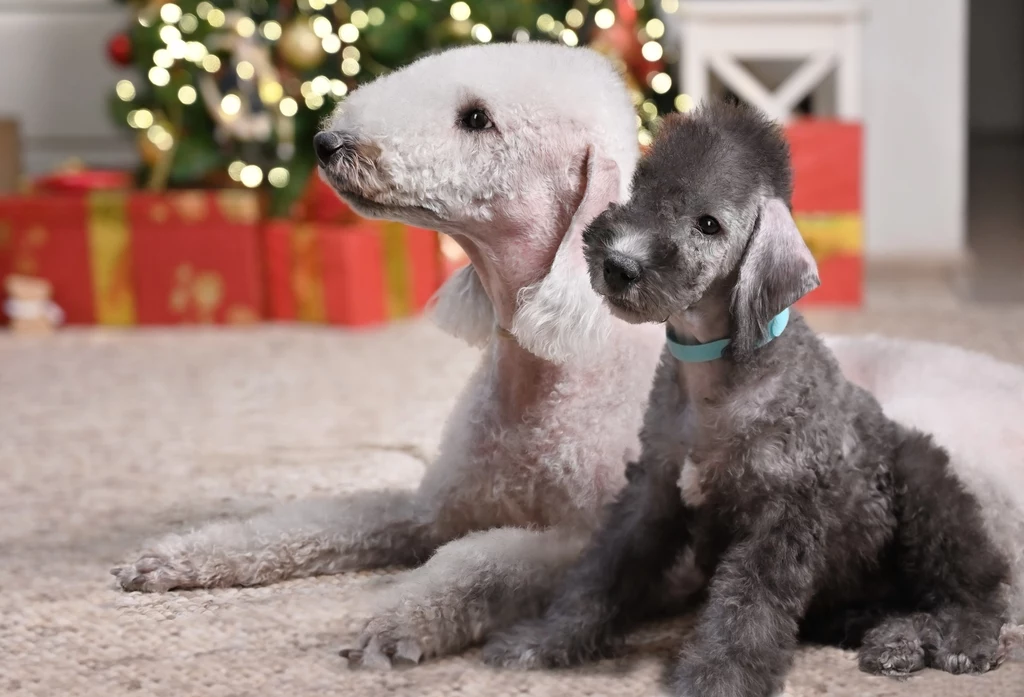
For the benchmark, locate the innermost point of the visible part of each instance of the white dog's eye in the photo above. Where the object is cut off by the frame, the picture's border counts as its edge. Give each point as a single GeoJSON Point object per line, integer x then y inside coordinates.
{"type": "Point", "coordinates": [476, 120]}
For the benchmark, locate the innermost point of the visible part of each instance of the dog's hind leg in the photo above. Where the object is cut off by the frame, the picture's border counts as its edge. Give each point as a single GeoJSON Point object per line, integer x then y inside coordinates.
{"type": "Point", "coordinates": [308, 538]}
{"type": "Point", "coordinates": [469, 588]}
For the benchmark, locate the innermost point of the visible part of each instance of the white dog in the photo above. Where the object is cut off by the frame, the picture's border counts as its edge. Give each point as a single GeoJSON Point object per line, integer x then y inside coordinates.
{"type": "Point", "coordinates": [512, 150]}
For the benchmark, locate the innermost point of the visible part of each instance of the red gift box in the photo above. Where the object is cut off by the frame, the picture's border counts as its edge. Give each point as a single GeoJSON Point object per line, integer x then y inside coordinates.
{"type": "Point", "coordinates": [359, 274]}
{"type": "Point", "coordinates": [827, 169]}
{"type": "Point", "coordinates": [127, 257]}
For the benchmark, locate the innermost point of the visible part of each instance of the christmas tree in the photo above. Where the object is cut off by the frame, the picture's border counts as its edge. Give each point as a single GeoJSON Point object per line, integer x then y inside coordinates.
{"type": "Point", "coordinates": [231, 92]}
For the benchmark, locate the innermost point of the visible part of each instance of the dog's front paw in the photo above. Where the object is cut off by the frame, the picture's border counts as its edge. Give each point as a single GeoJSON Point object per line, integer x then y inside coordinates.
{"type": "Point", "coordinates": [538, 644]}
{"type": "Point", "coordinates": [388, 642]}
{"type": "Point", "coordinates": [155, 573]}
{"type": "Point", "coordinates": [896, 658]}
{"type": "Point", "coordinates": [978, 656]}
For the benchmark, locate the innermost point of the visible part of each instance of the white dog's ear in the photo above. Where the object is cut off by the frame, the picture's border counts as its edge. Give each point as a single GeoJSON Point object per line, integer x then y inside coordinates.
{"type": "Point", "coordinates": [560, 317]}
{"type": "Point", "coordinates": [462, 308]}
{"type": "Point", "coordinates": [777, 269]}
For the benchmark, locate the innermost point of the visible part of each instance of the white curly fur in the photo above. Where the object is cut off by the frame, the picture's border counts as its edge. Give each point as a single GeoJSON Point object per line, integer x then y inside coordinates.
{"type": "Point", "coordinates": [532, 443]}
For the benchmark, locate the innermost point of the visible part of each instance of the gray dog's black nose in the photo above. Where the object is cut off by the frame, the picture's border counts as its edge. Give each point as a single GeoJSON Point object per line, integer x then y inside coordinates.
{"type": "Point", "coordinates": [620, 272]}
{"type": "Point", "coordinates": [326, 144]}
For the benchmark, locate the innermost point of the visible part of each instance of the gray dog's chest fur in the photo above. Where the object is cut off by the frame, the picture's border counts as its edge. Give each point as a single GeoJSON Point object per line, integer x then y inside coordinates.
{"type": "Point", "coordinates": [815, 443]}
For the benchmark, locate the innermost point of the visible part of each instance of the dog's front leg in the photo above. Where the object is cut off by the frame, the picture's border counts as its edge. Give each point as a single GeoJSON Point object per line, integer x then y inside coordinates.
{"type": "Point", "coordinates": [746, 635]}
{"type": "Point", "coordinates": [621, 570]}
{"type": "Point", "coordinates": [308, 538]}
{"type": "Point", "coordinates": [469, 588]}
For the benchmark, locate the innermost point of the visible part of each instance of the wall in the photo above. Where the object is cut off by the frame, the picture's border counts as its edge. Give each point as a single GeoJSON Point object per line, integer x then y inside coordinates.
{"type": "Point", "coordinates": [997, 67]}
{"type": "Point", "coordinates": [57, 79]}
{"type": "Point", "coordinates": [915, 97]}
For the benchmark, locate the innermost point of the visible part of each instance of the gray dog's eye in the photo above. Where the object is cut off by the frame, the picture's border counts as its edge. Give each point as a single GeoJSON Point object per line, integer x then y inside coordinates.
{"type": "Point", "coordinates": [476, 120]}
{"type": "Point", "coordinates": [708, 225]}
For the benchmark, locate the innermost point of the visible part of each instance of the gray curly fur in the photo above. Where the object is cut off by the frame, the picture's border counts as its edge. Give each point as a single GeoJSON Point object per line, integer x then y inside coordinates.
{"type": "Point", "coordinates": [811, 514]}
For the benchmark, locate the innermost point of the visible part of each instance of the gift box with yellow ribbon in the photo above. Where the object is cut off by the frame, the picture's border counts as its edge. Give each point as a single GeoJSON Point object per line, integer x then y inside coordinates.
{"type": "Point", "coordinates": [357, 274]}
{"type": "Point", "coordinates": [826, 156]}
{"type": "Point", "coordinates": [126, 257]}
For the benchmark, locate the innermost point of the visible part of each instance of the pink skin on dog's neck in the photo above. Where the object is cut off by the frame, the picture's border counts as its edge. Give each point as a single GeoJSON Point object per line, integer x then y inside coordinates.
{"type": "Point", "coordinates": [511, 252]}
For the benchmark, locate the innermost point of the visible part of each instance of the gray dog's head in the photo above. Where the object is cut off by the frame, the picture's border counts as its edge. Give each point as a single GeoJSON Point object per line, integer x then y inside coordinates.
{"type": "Point", "coordinates": [709, 216]}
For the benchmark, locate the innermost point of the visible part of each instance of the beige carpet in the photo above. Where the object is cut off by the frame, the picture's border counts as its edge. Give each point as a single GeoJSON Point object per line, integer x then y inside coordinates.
{"type": "Point", "coordinates": [109, 437]}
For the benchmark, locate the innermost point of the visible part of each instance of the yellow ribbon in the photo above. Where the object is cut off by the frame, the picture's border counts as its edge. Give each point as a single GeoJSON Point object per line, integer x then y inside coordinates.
{"type": "Point", "coordinates": [830, 234]}
{"type": "Point", "coordinates": [308, 275]}
{"type": "Point", "coordinates": [397, 270]}
{"type": "Point", "coordinates": [110, 258]}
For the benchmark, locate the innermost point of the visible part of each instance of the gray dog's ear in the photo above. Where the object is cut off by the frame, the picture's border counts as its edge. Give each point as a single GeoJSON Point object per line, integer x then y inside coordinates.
{"type": "Point", "coordinates": [462, 308]}
{"type": "Point", "coordinates": [561, 318]}
{"type": "Point", "coordinates": [777, 269]}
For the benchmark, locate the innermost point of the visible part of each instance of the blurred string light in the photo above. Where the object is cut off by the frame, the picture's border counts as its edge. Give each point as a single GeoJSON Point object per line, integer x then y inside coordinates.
{"type": "Point", "coordinates": [231, 104]}
{"type": "Point", "coordinates": [216, 18]}
{"type": "Point", "coordinates": [649, 108]}
{"type": "Point", "coordinates": [271, 30]}
{"type": "Point", "coordinates": [359, 18]}
{"type": "Point", "coordinates": [211, 63]}
{"type": "Point", "coordinates": [162, 58]}
{"type": "Point", "coordinates": [348, 33]}
{"type": "Point", "coordinates": [195, 51]}
{"type": "Point", "coordinates": [643, 136]}
{"type": "Point", "coordinates": [350, 67]}
{"type": "Point", "coordinates": [159, 76]}
{"type": "Point", "coordinates": [278, 177]}
{"type": "Point", "coordinates": [521, 35]}
{"type": "Point", "coordinates": [188, 23]}
{"type": "Point", "coordinates": [170, 13]}
{"type": "Point", "coordinates": [331, 43]}
{"type": "Point", "coordinates": [160, 137]}
{"type": "Point", "coordinates": [125, 90]}
{"type": "Point", "coordinates": [407, 11]}
{"type": "Point", "coordinates": [289, 107]}
{"type": "Point", "coordinates": [306, 89]}
{"type": "Point", "coordinates": [670, 6]}
{"type": "Point", "coordinates": [187, 94]}
{"type": "Point", "coordinates": [245, 70]}
{"type": "Point", "coordinates": [235, 170]}
{"type": "Point", "coordinates": [141, 118]}
{"type": "Point", "coordinates": [178, 49]}
{"type": "Point", "coordinates": [314, 102]}
{"type": "Point", "coordinates": [169, 34]}
{"type": "Point", "coordinates": [271, 92]}
{"type": "Point", "coordinates": [317, 4]}
{"type": "Point", "coordinates": [338, 88]}
{"type": "Point", "coordinates": [603, 18]}
{"type": "Point", "coordinates": [376, 16]}
{"type": "Point", "coordinates": [459, 11]}
{"type": "Point", "coordinates": [246, 27]}
{"type": "Point", "coordinates": [652, 51]}
{"type": "Point", "coordinates": [251, 176]}
{"type": "Point", "coordinates": [661, 83]}
{"type": "Point", "coordinates": [351, 52]}
{"type": "Point", "coordinates": [568, 37]}
{"type": "Point", "coordinates": [546, 23]}
{"type": "Point", "coordinates": [322, 26]}
{"type": "Point", "coordinates": [683, 103]}
{"type": "Point", "coordinates": [574, 18]}
{"type": "Point", "coordinates": [321, 84]}
{"type": "Point", "coordinates": [482, 33]}
{"type": "Point", "coordinates": [655, 28]}
{"type": "Point", "coordinates": [203, 9]}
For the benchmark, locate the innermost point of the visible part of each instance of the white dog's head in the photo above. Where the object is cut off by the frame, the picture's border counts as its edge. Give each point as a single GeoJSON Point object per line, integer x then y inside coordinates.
{"type": "Point", "coordinates": [511, 149]}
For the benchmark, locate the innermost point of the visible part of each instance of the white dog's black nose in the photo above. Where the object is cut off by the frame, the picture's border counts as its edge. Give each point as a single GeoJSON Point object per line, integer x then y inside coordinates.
{"type": "Point", "coordinates": [620, 272]}
{"type": "Point", "coordinates": [327, 144]}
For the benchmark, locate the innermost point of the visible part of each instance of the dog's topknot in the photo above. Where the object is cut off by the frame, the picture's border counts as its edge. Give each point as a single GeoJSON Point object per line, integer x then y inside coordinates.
{"type": "Point", "coordinates": [730, 134]}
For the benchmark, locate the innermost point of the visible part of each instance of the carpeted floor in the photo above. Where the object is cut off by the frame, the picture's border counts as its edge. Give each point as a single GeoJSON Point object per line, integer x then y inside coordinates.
{"type": "Point", "coordinates": [111, 437]}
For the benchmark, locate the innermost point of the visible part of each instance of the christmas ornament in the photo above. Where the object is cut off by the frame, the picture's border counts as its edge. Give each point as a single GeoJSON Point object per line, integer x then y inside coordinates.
{"type": "Point", "coordinates": [300, 47]}
{"type": "Point", "coordinates": [235, 98]}
{"type": "Point", "coordinates": [119, 48]}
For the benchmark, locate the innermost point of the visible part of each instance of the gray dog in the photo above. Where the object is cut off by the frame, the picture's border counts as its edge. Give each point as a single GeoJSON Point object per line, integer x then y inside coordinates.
{"type": "Point", "coordinates": [810, 513]}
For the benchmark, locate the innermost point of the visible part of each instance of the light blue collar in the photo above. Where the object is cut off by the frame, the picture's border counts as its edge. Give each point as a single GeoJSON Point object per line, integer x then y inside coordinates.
{"type": "Point", "coordinates": [713, 350]}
